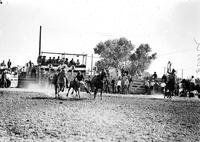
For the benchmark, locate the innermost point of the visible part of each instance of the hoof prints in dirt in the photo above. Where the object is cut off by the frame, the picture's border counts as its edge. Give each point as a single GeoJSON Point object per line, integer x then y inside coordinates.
{"type": "Point", "coordinates": [31, 116]}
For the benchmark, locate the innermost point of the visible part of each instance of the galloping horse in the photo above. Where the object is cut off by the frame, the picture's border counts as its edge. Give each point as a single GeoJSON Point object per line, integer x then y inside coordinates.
{"type": "Point", "coordinates": [97, 83]}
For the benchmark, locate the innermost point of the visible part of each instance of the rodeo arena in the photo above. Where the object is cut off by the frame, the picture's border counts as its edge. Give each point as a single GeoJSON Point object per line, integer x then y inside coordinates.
{"type": "Point", "coordinates": [57, 99]}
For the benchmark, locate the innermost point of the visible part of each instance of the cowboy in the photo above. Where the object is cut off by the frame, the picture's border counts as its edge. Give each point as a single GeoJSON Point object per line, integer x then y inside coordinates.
{"type": "Point", "coordinates": [193, 83]}
{"type": "Point", "coordinates": [80, 79]}
{"type": "Point", "coordinates": [193, 80]}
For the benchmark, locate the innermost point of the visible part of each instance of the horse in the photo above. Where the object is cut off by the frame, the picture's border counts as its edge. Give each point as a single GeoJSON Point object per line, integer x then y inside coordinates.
{"type": "Point", "coordinates": [97, 83]}
{"type": "Point", "coordinates": [188, 87]}
{"type": "Point", "coordinates": [62, 81]}
{"type": "Point", "coordinates": [75, 85]}
{"type": "Point", "coordinates": [170, 86]}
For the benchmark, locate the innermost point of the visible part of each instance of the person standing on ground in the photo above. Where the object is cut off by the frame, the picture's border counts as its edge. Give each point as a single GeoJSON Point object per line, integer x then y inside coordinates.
{"type": "Point", "coordinates": [9, 64]}
{"type": "Point", "coordinates": [113, 85]}
{"type": "Point", "coordinates": [107, 85]}
{"type": "Point", "coordinates": [154, 76]}
{"type": "Point", "coordinates": [80, 79]}
{"type": "Point", "coordinates": [193, 83]}
{"type": "Point", "coordinates": [3, 79]}
{"type": "Point", "coordinates": [119, 85]}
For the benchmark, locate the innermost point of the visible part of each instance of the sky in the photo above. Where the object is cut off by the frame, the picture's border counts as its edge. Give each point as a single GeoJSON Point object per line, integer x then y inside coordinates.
{"type": "Point", "coordinates": [76, 26]}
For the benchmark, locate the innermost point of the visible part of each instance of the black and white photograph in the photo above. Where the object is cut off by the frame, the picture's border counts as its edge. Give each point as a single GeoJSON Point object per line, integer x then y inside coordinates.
{"type": "Point", "coordinates": [99, 70]}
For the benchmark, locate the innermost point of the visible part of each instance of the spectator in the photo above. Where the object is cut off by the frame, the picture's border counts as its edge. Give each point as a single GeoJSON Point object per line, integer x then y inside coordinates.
{"type": "Point", "coordinates": [147, 86]}
{"type": "Point", "coordinates": [193, 83]}
{"type": "Point", "coordinates": [154, 76]}
{"type": "Point", "coordinates": [58, 60]}
{"type": "Point", "coordinates": [49, 61]}
{"type": "Point", "coordinates": [54, 61]}
{"type": "Point", "coordinates": [72, 62]}
{"type": "Point", "coordinates": [43, 60]}
{"type": "Point", "coordinates": [77, 62]}
{"type": "Point", "coordinates": [119, 85]}
{"type": "Point", "coordinates": [39, 60]}
{"type": "Point", "coordinates": [107, 85]}
{"type": "Point", "coordinates": [3, 79]}
{"type": "Point", "coordinates": [3, 64]}
{"type": "Point", "coordinates": [113, 85]}
{"type": "Point", "coordinates": [130, 80]}
{"type": "Point", "coordinates": [193, 80]}
{"type": "Point", "coordinates": [30, 64]}
{"type": "Point", "coordinates": [126, 84]}
{"type": "Point", "coordinates": [66, 62]}
{"type": "Point", "coordinates": [9, 64]}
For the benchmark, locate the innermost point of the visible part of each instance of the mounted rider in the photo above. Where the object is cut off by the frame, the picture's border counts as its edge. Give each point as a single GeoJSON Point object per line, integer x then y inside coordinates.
{"type": "Point", "coordinates": [62, 80]}
{"type": "Point", "coordinates": [171, 73]}
{"type": "Point", "coordinates": [171, 80]}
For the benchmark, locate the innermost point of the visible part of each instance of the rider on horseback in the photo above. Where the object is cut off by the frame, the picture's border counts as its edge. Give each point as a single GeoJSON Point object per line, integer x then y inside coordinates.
{"type": "Point", "coordinates": [170, 85]}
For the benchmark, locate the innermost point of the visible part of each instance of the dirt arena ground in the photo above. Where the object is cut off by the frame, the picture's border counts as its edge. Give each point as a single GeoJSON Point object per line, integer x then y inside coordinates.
{"type": "Point", "coordinates": [31, 116]}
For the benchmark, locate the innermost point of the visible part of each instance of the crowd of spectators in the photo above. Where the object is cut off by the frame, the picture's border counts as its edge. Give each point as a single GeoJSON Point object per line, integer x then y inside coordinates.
{"type": "Point", "coordinates": [116, 85]}
{"type": "Point", "coordinates": [4, 65]}
{"type": "Point", "coordinates": [57, 61]}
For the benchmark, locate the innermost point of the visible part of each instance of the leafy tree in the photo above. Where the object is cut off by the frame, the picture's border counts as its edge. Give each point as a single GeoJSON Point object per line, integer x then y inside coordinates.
{"type": "Point", "coordinates": [141, 59]}
{"type": "Point", "coordinates": [113, 53]}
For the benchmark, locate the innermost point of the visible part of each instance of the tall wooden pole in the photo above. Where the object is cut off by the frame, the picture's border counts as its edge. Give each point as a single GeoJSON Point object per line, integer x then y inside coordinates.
{"type": "Point", "coordinates": [40, 34]}
{"type": "Point", "coordinates": [40, 40]}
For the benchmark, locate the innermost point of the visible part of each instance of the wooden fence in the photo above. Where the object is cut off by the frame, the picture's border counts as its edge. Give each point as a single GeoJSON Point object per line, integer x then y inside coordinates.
{"type": "Point", "coordinates": [137, 87]}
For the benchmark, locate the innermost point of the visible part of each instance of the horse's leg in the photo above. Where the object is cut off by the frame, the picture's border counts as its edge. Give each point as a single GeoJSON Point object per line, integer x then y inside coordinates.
{"type": "Point", "coordinates": [79, 95]}
{"type": "Point", "coordinates": [68, 91]}
{"type": "Point", "coordinates": [170, 94]}
{"type": "Point", "coordinates": [165, 91]}
{"type": "Point", "coordinates": [95, 92]}
{"type": "Point", "coordinates": [79, 89]}
{"type": "Point", "coordinates": [101, 93]}
{"type": "Point", "coordinates": [56, 90]}
{"type": "Point", "coordinates": [72, 91]}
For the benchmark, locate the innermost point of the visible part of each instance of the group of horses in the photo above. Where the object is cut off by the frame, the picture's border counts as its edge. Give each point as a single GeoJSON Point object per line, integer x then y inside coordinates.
{"type": "Point", "coordinates": [96, 83]}
{"type": "Point", "coordinates": [182, 88]}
